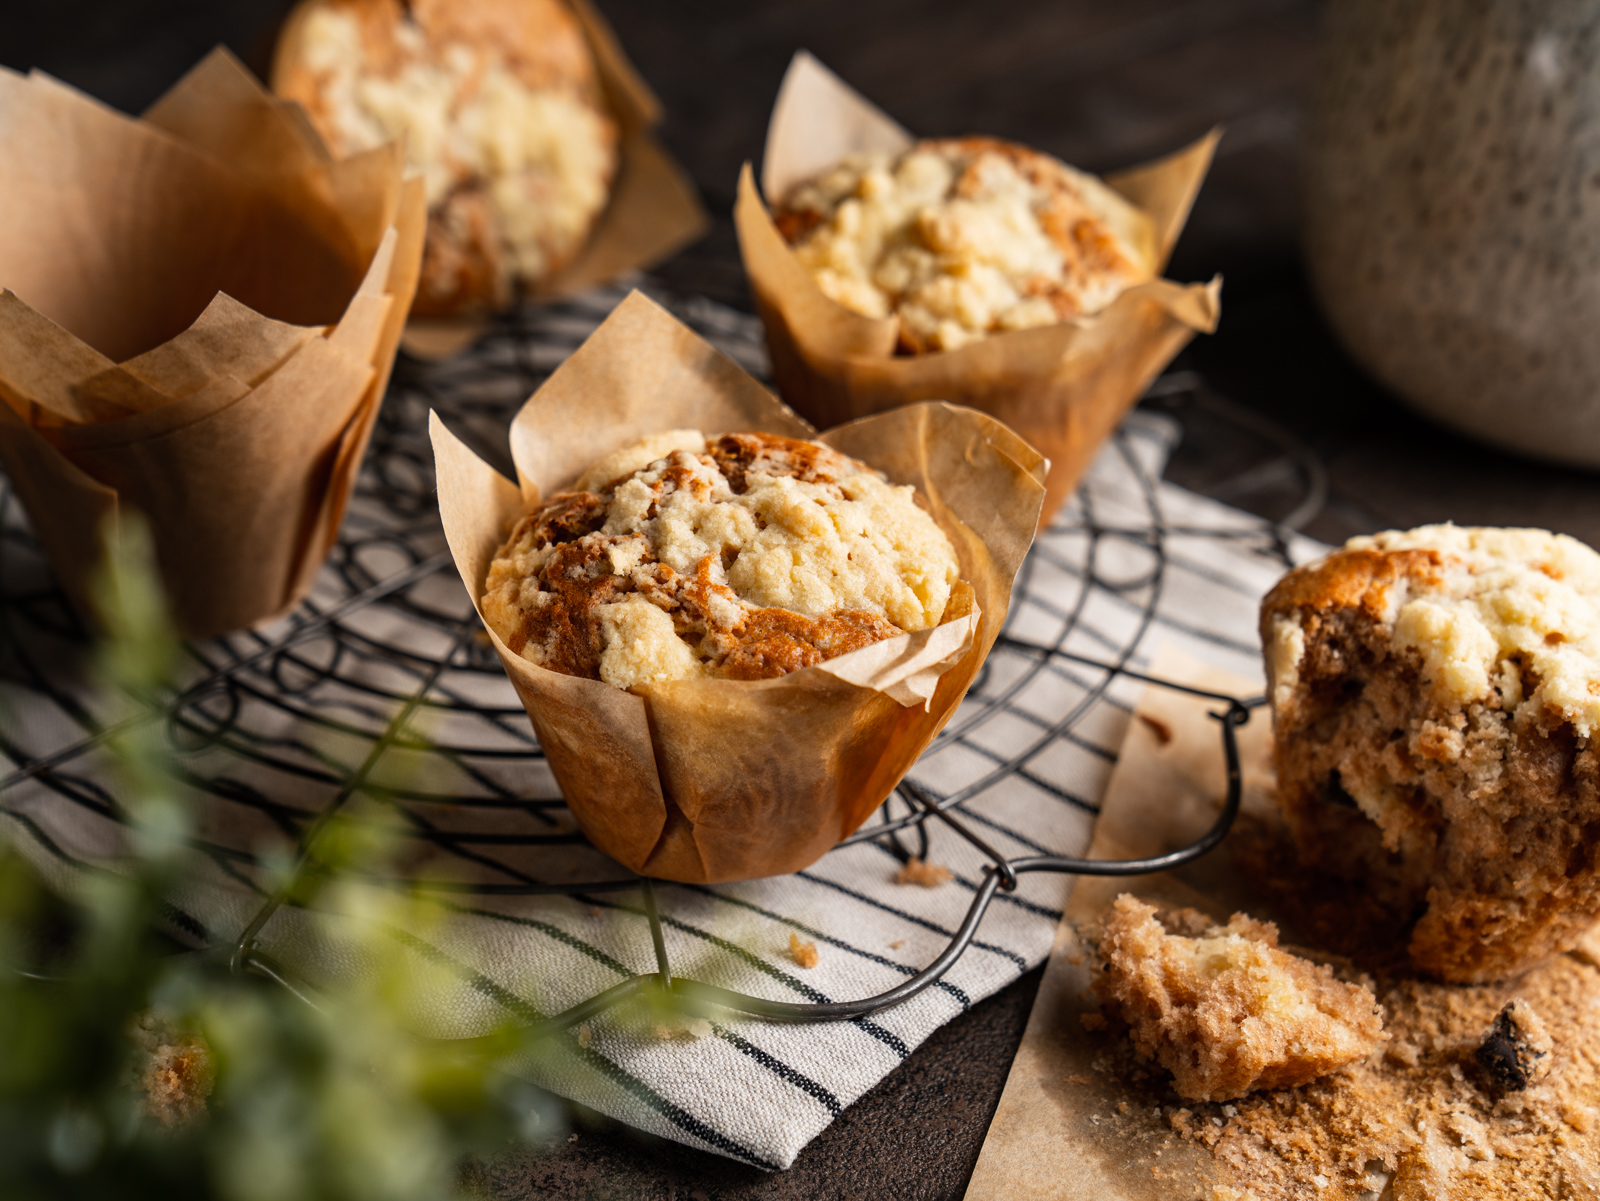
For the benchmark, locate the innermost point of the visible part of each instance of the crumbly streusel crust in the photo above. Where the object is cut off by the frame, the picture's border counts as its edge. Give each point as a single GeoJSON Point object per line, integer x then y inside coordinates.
{"type": "Point", "coordinates": [501, 109]}
{"type": "Point", "coordinates": [1222, 1007]}
{"type": "Point", "coordinates": [964, 237]}
{"type": "Point", "coordinates": [744, 556]}
{"type": "Point", "coordinates": [1435, 695]}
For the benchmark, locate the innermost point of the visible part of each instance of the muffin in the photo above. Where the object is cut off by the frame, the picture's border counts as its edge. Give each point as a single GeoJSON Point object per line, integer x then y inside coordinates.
{"type": "Point", "coordinates": [964, 237]}
{"type": "Point", "coordinates": [1435, 694]}
{"type": "Point", "coordinates": [744, 557]}
{"type": "Point", "coordinates": [1222, 1007]}
{"type": "Point", "coordinates": [698, 572]}
{"type": "Point", "coordinates": [501, 108]}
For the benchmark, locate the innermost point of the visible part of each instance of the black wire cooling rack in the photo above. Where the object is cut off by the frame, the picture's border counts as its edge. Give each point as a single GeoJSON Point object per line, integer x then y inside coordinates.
{"type": "Point", "coordinates": [381, 685]}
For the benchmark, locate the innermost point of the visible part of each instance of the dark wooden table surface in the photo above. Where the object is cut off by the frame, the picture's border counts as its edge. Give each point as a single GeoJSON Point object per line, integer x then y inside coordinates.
{"type": "Point", "coordinates": [1102, 85]}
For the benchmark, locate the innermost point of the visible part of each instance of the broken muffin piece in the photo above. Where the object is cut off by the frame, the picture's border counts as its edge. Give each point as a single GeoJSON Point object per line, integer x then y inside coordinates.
{"type": "Point", "coordinates": [1435, 695]}
{"type": "Point", "coordinates": [1222, 1008]}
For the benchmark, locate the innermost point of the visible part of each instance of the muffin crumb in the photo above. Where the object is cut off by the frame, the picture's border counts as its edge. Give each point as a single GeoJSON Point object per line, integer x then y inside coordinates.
{"type": "Point", "coordinates": [803, 952]}
{"type": "Point", "coordinates": [928, 875]}
{"type": "Point", "coordinates": [177, 1074]}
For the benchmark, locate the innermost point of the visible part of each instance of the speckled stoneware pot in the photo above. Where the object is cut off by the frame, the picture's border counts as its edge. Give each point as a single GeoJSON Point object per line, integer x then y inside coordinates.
{"type": "Point", "coordinates": [1453, 210]}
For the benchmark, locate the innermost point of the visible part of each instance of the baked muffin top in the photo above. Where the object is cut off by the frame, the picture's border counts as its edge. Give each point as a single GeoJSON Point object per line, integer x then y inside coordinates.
{"type": "Point", "coordinates": [744, 556]}
{"type": "Point", "coordinates": [500, 107]}
{"type": "Point", "coordinates": [1509, 617]}
{"type": "Point", "coordinates": [965, 237]}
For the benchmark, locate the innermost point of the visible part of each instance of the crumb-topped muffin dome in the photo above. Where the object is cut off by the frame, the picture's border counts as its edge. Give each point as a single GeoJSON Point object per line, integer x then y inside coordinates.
{"type": "Point", "coordinates": [744, 556]}
{"type": "Point", "coordinates": [964, 237]}
{"type": "Point", "coordinates": [1510, 616]}
{"type": "Point", "coordinates": [500, 106]}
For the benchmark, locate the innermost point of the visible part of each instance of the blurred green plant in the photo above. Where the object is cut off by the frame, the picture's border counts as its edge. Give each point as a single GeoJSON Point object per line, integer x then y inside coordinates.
{"type": "Point", "coordinates": [131, 1070]}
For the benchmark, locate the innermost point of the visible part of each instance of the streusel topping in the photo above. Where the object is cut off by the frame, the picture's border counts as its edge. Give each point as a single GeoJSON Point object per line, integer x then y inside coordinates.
{"type": "Point", "coordinates": [745, 556]}
{"type": "Point", "coordinates": [538, 158]}
{"type": "Point", "coordinates": [1513, 612]}
{"type": "Point", "coordinates": [964, 237]}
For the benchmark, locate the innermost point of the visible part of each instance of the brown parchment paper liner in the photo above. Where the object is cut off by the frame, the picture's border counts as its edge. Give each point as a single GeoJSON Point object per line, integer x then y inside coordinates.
{"type": "Point", "coordinates": [199, 315]}
{"type": "Point", "coordinates": [654, 210]}
{"type": "Point", "coordinates": [1057, 1132]}
{"type": "Point", "coordinates": [1063, 387]}
{"type": "Point", "coordinates": [712, 780]}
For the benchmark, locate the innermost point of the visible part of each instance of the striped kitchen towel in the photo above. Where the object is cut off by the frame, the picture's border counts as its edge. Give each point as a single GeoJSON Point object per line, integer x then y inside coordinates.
{"type": "Point", "coordinates": [1132, 563]}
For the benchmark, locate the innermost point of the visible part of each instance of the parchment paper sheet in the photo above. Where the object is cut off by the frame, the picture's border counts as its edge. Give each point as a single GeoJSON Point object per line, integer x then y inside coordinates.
{"type": "Point", "coordinates": [714, 780]}
{"type": "Point", "coordinates": [200, 315]}
{"type": "Point", "coordinates": [654, 210]}
{"type": "Point", "coordinates": [1063, 387]}
{"type": "Point", "coordinates": [1051, 1136]}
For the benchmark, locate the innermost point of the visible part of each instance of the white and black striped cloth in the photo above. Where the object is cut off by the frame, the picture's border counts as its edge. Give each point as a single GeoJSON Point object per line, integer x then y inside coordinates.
{"type": "Point", "coordinates": [1130, 564]}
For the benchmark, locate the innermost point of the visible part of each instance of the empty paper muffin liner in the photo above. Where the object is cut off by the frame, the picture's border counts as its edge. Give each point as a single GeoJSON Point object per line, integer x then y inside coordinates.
{"type": "Point", "coordinates": [200, 315]}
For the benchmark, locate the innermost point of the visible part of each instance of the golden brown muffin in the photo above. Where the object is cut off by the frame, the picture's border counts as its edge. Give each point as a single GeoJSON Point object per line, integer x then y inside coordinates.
{"type": "Point", "coordinates": [965, 237]}
{"type": "Point", "coordinates": [501, 109]}
{"type": "Point", "coordinates": [744, 556]}
{"type": "Point", "coordinates": [1435, 697]}
{"type": "Point", "coordinates": [1222, 1007]}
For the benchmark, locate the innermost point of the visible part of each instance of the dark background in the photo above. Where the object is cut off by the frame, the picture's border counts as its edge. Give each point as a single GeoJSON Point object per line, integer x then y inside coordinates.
{"type": "Point", "coordinates": [1102, 85]}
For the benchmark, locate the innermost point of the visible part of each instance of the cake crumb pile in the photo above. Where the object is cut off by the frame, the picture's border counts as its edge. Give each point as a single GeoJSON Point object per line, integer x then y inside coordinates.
{"type": "Point", "coordinates": [175, 1070]}
{"type": "Point", "coordinates": [1421, 1118]}
{"type": "Point", "coordinates": [1222, 1007]}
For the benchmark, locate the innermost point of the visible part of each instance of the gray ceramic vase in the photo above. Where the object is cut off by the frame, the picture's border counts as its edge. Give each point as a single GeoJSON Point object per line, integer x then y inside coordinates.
{"type": "Point", "coordinates": [1452, 207]}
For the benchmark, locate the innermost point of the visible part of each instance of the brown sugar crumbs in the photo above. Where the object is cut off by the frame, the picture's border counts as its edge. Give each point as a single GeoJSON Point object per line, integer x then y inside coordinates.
{"type": "Point", "coordinates": [1419, 1113]}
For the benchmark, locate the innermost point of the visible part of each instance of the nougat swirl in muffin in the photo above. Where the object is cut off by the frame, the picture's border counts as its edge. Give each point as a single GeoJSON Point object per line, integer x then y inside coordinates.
{"type": "Point", "coordinates": [1436, 705]}
{"type": "Point", "coordinates": [744, 556]}
{"type": "Point", "coordinates": [965, 237]}
{"type": "Point", "coordinates": [501, 109]}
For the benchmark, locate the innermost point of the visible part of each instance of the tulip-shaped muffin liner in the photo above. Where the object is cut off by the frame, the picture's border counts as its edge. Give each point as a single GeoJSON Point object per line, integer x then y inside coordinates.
{"type": "Point", "coordinates": [200, 313]}
{"type": "Point", "coordinates": [1063, 387]}
{"type": "Point", "coordinates": [653, 212]}
{"type": "Point", "coordinates": [708, 780]}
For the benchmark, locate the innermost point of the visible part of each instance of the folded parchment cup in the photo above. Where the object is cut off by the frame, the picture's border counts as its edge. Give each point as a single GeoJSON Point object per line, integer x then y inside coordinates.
{"type": "Point", "coordinates": [200, 313]}
{"type": "Point", "coordinates": [653, 212]}
{"type": "Point", "coordinates": [708, 780]}
{"type": "Point", "coordinates": [1063, 387]}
